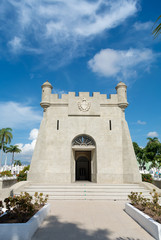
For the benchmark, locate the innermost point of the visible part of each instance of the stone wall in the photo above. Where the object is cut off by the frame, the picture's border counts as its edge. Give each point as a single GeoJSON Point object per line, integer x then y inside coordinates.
{"type": "Point", "coordinates": [6, 182]}
{"type": "Point", "coordinates": [112, 158]}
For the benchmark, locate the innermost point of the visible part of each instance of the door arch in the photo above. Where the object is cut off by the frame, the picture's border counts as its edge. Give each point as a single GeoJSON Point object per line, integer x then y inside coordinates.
{"type": "Point", "coordinates": [84, 157]}
{"type": "Point", "coordinates": [83, 169]}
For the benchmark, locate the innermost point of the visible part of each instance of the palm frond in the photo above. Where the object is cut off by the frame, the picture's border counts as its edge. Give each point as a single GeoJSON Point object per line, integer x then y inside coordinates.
{"type": "Point", "coordinates": [5, 135]}
{"type": "Point", "coordinates": [157, 30]}
{"type": "Point", "coordinates": [8, 129]}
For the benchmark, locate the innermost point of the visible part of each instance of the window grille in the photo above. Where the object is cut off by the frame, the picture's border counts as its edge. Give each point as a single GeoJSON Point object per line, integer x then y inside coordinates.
{"type": "Point", "coordinates": [83, 140]}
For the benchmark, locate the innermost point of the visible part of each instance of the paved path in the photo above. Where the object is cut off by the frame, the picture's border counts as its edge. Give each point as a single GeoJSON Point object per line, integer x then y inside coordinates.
{"type": "Point", "coordinates": [89, 220]}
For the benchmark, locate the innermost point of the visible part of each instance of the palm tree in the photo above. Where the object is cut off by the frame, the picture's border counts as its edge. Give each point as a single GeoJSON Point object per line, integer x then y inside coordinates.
{"type": "Point", "coordinates": [5, 137]}
{"type": "Point", "coordinates": [13, 149]}
{"type": "Point", "coordinates": [5, 150]}
{"type": "Point", "coordinates": [154, 139]}
{"type": "Point", "coordinates": [157, 30]}
{"type": "Point", "coordinates": [18, 162]}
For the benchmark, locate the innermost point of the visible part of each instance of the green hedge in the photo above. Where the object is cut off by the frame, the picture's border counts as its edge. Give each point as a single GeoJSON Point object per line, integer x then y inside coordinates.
{"type": "Point", "coordinates": [22, 176]}
{"type": "Point", "coordinates": [147, 178]}
{"type": "Point", "coordinates": [7, 173]}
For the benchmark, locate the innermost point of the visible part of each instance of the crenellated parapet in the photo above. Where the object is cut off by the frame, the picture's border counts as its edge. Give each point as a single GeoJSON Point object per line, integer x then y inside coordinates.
{"type": "Point", "coordinates": [83, 103]}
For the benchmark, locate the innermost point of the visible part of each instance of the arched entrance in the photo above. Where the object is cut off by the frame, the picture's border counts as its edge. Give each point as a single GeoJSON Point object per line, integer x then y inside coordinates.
{"type": "Point", "coordinates": [83, 166]}
{"type": "Point", "coordinates": [83, 159]}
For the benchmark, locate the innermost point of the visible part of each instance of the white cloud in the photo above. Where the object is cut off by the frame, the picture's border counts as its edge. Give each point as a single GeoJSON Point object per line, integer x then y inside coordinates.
{"type": "Point", "coordinates": [142, 26]}
{"type": "Point", "coordinates": [18, 115]}
{"type": "Point", "coordinates": [141, 122]}
{"type": "Point", "coordinates": [51, 27]}
{"type": "Point", "coordinates": [152, 134]}
{"type": "Point", "coordinates": [33, 134]}
{"type": "Point", "coordinates": [16, 44]}
{"type": "Point", "coordinates": [74, 17]}
{"type": "Point", "coordinates": [28, 148]}
{"type": "Point", "coordinates": [121, 64]}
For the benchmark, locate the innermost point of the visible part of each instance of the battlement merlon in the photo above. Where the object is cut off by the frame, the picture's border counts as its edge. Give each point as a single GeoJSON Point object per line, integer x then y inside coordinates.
{"type": "Point", "coordinates": [118, 99]}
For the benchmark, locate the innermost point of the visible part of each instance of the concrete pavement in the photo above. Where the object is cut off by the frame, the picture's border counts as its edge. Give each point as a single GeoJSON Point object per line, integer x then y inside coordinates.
{"type": "Point", "coordinates": [89, 220]}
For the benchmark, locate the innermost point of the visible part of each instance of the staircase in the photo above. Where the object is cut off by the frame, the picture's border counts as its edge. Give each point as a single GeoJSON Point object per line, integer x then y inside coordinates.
{"type": "Point", "coordinates": [86, 191]}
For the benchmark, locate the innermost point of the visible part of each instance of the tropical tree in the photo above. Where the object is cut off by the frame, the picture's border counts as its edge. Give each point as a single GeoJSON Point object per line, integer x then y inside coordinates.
{"type": "Point", "coordinates": [5, 150]}
{"type": "Point", "coordinates": [4, 147]}
{"type": "Point", "coordinates": [150, 154]}
{"type": "Point", "coordinates": [157, 29]}
{"type": "Point", "coordinates": [17, 162]}
{"type": "Point", "coordinates": [13, 149]}
{"type": "Point", "coordinates": [23, 174]}
{"type": "Point", "coordinates": [152, 140]}
{"type": "Point", "coordinates": [140, 155]}
{"type": "Point", "coordinates": [153, 152]}
{"type": "Point", "coordinates": [5, 137]}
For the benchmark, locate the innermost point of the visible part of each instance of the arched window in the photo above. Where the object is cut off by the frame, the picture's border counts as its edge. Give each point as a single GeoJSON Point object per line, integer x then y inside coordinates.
{"type": "Point", "coordinates": [83, 140]}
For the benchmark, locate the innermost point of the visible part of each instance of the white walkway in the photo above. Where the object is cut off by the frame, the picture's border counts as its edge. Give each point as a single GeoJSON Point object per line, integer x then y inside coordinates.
{"type": "Point", "coordinates": [89, 220]}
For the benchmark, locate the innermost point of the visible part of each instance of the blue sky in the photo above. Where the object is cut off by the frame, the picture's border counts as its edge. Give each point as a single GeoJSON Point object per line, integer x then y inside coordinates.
{"type": "Point", "coordinates": [87, 45]}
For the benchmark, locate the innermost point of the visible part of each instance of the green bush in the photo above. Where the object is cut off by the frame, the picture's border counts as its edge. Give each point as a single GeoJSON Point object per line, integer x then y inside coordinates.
{"type": "Point", "coordinates": [39, 199]}
{"type": "Point", "coordinates": [7, 173]}
{"type": "Point", "coordinates": [22, 176]}
{"type": "Point", "coordinates": [26, 168]}
{"type": "Point", "coordinates": [147, 178]}
{"type": "Point", "coordinates": [148, 206]}
{"type": "Point", "coordinates": [24, 206]}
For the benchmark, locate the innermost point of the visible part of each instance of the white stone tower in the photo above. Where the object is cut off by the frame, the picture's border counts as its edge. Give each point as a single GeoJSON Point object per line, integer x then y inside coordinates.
{"type": "Point", "coordinates": [84, 138]}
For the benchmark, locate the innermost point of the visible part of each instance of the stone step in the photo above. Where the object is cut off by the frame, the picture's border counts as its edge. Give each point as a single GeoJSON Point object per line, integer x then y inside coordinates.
{"type": "Point", "coordinates": [87, 185]}
{"type": "Point", "coordinates": [86, 191]}
{"type": "Point", "coordinates": [113, 198]}
{"type": "Point", "coordinates": [83, 191]}
{"type": "Point", "coordinates": [83, 187]}
{"type": "Point", "coordinates": [82, 183]}
{"type": "Point", "coordinates": [89, 197]}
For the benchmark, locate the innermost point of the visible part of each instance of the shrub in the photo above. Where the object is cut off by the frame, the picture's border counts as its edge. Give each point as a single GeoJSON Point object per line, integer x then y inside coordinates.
{"type": "Point", "coordinates": [39, 199]}
{"type": "Point", "coordinates": [150, 207]}
{"type": "Point", "coordinates": [7, 173]}
{"type": "Point", "coordinates": [22, 176]}
{"type": "Point", "coordinates": [23, 207]}
{"type": "Point", "coordinates": [147, 178]}
{"type": "Point", "coordinates": [26, 168]}
{"type": "Point", "coordinates": [137, 199]}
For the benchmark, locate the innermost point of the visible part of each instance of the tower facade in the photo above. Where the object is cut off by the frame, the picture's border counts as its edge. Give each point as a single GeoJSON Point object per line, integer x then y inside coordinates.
{"type": "Point", "coordinates": [84, 138]}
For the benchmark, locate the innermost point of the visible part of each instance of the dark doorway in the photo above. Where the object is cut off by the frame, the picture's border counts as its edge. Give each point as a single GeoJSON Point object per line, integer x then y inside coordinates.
{"type": "Point", "coordinates": [83, 169]}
